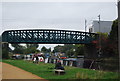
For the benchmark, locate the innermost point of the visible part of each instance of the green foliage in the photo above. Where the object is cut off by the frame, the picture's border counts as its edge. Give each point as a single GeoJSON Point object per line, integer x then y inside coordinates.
{"type": "Point", "coordinates": [114, 32]}
{"type": "Point", "coordinates": [80, 49]}
{"type": "Point", "coordinates": [29, 48]}
{"type": "Point", "coordinates": [70, 53]}
{"type": "Point", "coordinates": [110, 47]}
{"type": "Point", "coordinates": [103, 36]}
{"type": "Point", "coordinates": [109, 42]}
{"type": "Point", "coordinates": [67, 49]}
{"type": "Point", "coordinates": [70, 49]}
{"type": "Point", "coordinates": [113, 37]}
{"type": "Point", "coordinates": [45, 50]}
{"type": "Point", "coordinates": [18, 49]}
{"type": "Point", "coordinates": [58, 48]}
{"type": "Point", "coordinates": [32, 45]}
{"type": "Point", "coordinates": [43, 71]}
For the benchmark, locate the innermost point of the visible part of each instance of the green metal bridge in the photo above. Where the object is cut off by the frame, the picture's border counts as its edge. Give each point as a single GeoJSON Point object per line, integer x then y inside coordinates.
{"type": "Point", "coordinates": [48, 36]}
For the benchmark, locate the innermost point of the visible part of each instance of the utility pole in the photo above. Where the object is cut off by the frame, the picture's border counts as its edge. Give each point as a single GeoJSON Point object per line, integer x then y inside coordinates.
{"type": "Point", "coordinates": [85, 24]}
{"type": "Point", "coordinates": [99, 37]}
{"type": "Point", "coordinates": [85, 28]}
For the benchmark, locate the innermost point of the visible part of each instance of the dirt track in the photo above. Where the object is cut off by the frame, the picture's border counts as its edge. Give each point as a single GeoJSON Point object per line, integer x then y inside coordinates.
{"type": "Point", "coordinates": [12, 72]}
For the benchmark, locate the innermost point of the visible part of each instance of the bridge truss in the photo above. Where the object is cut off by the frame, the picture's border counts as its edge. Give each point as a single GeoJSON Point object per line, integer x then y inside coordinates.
{"type": "Point", "coordinates": [48, 36]}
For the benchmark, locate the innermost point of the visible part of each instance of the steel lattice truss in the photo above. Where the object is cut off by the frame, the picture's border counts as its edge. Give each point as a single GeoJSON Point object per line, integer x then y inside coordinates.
{"type": "Point", "coordinates": [48, 36]}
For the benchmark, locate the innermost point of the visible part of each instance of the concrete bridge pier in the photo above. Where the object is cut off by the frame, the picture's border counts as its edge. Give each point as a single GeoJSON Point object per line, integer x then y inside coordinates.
{"type": "Point", "coordinates": [5, 50]}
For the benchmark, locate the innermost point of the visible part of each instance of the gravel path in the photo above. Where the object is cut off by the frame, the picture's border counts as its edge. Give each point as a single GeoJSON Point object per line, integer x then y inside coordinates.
{"type": "Point", "coordinates": [12, 72]}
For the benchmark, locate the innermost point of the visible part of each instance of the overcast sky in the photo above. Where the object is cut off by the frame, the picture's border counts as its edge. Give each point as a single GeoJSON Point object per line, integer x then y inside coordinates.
{"type": "Point", "coordinates": [54, 15]}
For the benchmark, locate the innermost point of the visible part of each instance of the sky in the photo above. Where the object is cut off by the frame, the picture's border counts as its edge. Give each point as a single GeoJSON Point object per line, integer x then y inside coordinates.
{"type": "Point", "coordinates": [59, 0]}
{"type": "Point", "coordinates": [69, 15]}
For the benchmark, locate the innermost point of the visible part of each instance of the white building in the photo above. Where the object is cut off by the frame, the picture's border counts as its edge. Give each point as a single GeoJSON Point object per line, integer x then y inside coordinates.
{"type": "Point", "coordinates": [105, 26]}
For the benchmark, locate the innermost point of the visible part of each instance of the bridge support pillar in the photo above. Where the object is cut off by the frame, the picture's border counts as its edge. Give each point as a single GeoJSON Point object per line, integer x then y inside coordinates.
{"type": "Point", "coordinates": [5, 50]}
{"type": "Point", "coordinates": [0, 50]}
{"type": "Point", "coordinates": [91, 51]}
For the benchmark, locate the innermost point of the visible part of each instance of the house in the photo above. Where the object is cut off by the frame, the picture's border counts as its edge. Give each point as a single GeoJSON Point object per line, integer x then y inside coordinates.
{"type": "Point", "coordinates": [105, 27]}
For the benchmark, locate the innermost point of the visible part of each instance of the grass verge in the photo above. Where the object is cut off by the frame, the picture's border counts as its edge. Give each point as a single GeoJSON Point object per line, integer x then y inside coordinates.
{"type": "Point", "coordinates": [43, 70]}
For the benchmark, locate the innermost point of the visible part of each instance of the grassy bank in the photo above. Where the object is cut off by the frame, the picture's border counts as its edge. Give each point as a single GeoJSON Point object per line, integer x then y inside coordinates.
{"type": "Point", "coordinates": [43, 70]}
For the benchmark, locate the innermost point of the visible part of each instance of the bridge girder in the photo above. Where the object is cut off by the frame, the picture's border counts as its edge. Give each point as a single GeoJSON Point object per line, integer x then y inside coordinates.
{"type": "Point", "coordinates": [48, 36]}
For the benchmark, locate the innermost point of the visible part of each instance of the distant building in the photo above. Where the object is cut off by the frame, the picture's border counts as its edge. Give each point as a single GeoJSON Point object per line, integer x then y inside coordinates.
{"type": "Point", "coordinates": [105, 26]}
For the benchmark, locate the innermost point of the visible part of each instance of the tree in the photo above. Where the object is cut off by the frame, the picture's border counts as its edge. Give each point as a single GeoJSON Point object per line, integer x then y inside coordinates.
{"type": "Point", "coordinates": [58, 49]}
{"type": "Point", "coordinates": [68, 47]}
{"type": "Point", "coordinates": [70, 52]}
{"type": "Point", "coordinates": [49, 50]}
{"type": "Point", "coordinates": [31, 48]}
{"type": "Point", "coordinates": [109, 43]}
{"type": "Point", "coordinates": [32, 45]}
{"type": "Point", "coordinates": [79, 49]}
{"type": "Point", "coordinates": [113, 38]}
{"type": "Point", "coordinates": [114, 32]}
{"type": "Point", "coordinates": [18, 48]}
{"type": "Point", "coordinates": [45, 50]}
{"type": "Point", "coordinates": [104, 45]}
